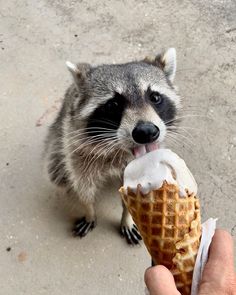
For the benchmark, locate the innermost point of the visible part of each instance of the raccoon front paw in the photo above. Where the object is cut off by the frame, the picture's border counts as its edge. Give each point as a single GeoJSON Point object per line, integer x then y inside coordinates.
{"type": "Point", "coordinates": [82, 227]}
{"type": "Point", "coordinates": [131, 234]}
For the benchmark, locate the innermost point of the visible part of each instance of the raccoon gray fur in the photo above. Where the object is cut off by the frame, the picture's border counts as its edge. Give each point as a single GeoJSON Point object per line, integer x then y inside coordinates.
{"type": "Point", "coordinates": [110, 114]}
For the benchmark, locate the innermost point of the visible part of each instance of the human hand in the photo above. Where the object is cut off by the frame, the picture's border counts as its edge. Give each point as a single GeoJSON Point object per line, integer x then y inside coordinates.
{"type": "Point", "coordinates": [218, 276]}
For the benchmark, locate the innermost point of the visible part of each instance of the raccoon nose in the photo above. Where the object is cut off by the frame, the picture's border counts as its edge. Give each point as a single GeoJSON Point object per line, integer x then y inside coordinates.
{"type": "Point", "coordinates": [145, 132]}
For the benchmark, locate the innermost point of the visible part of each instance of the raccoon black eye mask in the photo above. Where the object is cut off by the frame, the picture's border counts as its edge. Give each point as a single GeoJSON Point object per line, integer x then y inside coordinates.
{"type": "Point", "coordinates": [162, 104]}
{"type": "Point", "coordinates": [107, 116]}
{"type": "Point", "coordinates": [110, 114]}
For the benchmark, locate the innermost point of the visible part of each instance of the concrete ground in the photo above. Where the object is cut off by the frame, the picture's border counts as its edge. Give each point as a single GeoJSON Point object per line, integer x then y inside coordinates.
{"type": "Point", "coordinates": [37, 253]}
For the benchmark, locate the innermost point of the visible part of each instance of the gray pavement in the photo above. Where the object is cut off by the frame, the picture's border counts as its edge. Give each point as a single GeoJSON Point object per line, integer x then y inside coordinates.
{"type": "Point", "coordinates": [36, 38]}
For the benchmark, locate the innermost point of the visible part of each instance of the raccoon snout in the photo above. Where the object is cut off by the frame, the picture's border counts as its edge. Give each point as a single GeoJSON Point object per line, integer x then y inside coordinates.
{"type": "Point", "coordinates": [145, 132]}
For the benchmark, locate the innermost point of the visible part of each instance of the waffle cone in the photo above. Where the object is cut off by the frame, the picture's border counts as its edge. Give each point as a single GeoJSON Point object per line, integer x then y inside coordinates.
{"type": "Point", "coordinates": [170, 226]}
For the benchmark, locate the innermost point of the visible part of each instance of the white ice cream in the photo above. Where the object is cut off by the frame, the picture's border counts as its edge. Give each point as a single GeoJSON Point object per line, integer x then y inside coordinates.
{"type": "Point", "coordinates": [151, 169]}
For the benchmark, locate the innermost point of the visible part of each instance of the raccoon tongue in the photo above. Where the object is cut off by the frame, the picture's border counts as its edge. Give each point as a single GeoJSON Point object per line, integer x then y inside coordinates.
{"type": "Point", "coordinates": [151, 147]}
{"type": "Point", "coordinates": [139, 151]}
{"type": "Point", "coordinates": [143, 149]}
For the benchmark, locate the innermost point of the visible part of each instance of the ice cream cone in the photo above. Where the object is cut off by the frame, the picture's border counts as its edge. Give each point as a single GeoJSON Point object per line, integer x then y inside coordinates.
{"type": "Point", "coordinates": [170, 226]}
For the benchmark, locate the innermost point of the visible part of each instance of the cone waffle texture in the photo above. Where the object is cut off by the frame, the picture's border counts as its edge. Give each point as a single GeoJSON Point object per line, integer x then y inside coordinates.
{"type": "Point", "coordinates": [170, 226]}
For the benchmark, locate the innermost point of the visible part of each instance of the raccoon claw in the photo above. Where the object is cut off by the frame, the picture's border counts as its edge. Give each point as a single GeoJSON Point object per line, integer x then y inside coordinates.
{"type": "Point", "coordinates": [131, 235]}
{"type": "Point", "coordinates": [82, 227]}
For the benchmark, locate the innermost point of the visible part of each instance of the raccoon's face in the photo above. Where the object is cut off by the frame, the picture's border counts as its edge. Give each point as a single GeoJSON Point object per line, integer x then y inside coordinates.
{"type": "Point", "coordinates": [128, 106]}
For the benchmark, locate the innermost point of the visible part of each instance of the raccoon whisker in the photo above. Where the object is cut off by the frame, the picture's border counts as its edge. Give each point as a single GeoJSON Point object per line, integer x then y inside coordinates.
{"type": "Point", "coordinates": [88, 136]}
{"type": "Point", "coordinates": [178, 141]}
{"type": "Point", "coordinates": [106, 121]}
{"type": "Point", "coordinates": [123, 151]}
{"type": "Point", "coordinates": [194, 113]}
{"type": "Point", "coordinates": [183, 136]}
{"type": "Point", "coordinates": [192, 107]}
{"type": "Point", "coordinates": [183, 117]}
{"type": "Point", "coordinates": [88, 130]}
{"type": "Point", "coordinates": [104, 155]}
{"type": "Point", "coordinates": [182, 127]}
{"type": "Point", "coordinates": [95, 155]}
{"type": "Point", "coordinates": [173, 144]}
{"type": "Point", "coordinates": [83, 142]}
{"type": "Point", "coordinates": [121, 155]}
{"type": "Point", "coordinates": [74, 131]}
{"type": "Point", "coordinates": [92, 139]}
{"type": "Point", "coordinates": [98, 130]}
{"type": "Point", "coordinates": [114, 157]}
{"type": "Point", "coordinates": [100, 138]}
{"type": "Point", "coordinates": [105, 142]}
{"type": "Point", "coordinates": [176, 144]}
{"type": "Point", "coordinates": [108, 140]}
{"type": "Point", "coordinates": [172, 122]}
{"type": "Point", "coordinates": [179, 130]}
{"type": "Point", "coordinates": [76, 138]}
{"type": "Point", "coordinates": [190, 112]}
{"type": "Point", "coordinates": [89, 142]}
{"type": "Point", "coordinates": [174, 138]}
{"type": "Point", "coordinates": [111, 146]}
{"type": "Point", "coordinates": [190, 116]}
{"type": "Point", "coordinates": [189, 132]}
{"type": "Point", "coordinates": [184, 132]}
{"type": "Point", "coordinates": [94, 129]}
{"type": "Point", "coordinates": [173, 141]}
{"type": "Point", "coordinates": [108, 152]}
{"type": "Point", "coordinates": [100, 153]}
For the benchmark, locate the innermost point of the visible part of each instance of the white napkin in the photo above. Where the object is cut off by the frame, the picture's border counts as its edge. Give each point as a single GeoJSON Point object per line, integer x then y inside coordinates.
{"type": "Point", "coordinates": [208, 230]}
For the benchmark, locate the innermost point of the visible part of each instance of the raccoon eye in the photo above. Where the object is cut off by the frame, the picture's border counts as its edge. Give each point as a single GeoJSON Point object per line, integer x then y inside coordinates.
{"type": "Point", "coordinates": [115, 104]}
{"type": "Point", "coordinates": [112, 105]}
{"type": "Point", "coordinates": [156, 98]}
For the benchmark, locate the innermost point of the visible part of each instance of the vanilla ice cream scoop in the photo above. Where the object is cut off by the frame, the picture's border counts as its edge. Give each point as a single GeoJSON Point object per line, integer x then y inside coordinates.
{"type": "Point", "coordinates": [153, 168]}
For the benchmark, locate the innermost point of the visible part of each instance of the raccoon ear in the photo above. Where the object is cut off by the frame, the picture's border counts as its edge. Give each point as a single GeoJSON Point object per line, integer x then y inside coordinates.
{"type": "Point", "coordinates": [167, 62]}
{"type": "Point", "coordinates": [78, 71]}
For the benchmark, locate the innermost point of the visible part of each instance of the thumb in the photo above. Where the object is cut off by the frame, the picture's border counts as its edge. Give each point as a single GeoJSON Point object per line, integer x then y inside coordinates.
{"type": "Point", "coordinates": [160, 281]}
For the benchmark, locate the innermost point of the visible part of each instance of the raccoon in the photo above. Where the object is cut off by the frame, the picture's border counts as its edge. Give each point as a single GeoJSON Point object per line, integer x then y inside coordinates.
{"type": "Point", "coordinates": [110, 114]}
